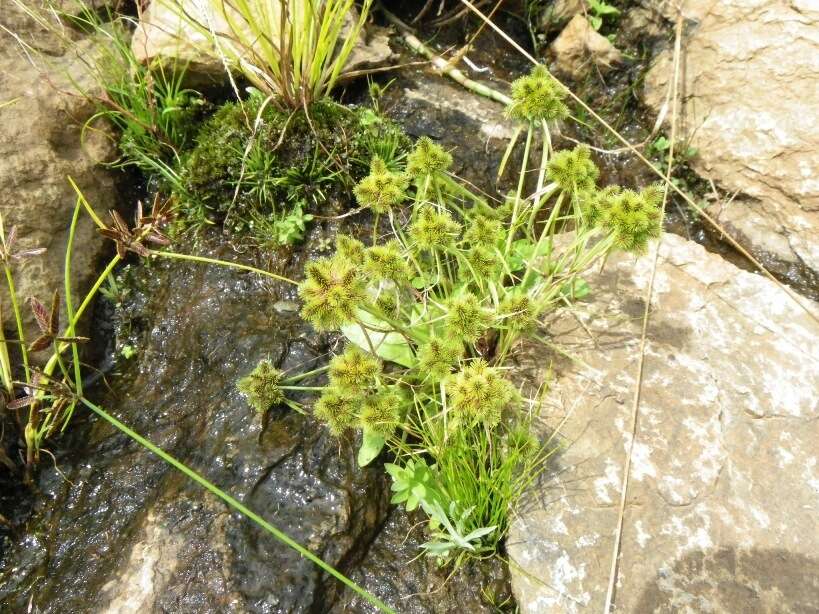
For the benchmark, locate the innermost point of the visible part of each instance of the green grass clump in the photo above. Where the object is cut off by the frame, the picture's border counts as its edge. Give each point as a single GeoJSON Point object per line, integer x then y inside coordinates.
{"type": "Point", "coordinates": [260, 171]}
{"type": "Point", "coordinates": [294, 49]}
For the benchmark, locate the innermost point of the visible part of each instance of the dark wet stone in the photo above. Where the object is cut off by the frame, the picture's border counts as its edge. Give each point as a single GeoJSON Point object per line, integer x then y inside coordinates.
{"type": "Point", "coordinates": [123, 529]}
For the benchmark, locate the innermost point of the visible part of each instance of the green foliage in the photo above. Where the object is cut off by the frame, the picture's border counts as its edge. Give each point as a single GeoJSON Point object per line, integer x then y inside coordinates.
{"type": "Point", "coordinates": [154, 113]}
{"type": "Point", "coordinates": [432, 313]}
{"type": "Point", "coordinates": [414, 484]}
{"type": "Point", "coordinates": [262, 386]}
{"type": "Point", "coordinates": [599, 10]}
{"type": "Point", "coordinates": [261, 172]}
{"type": "Point", "coordinates": [285, 228]}
{"type": "Point", "coordinates": [293, 49]}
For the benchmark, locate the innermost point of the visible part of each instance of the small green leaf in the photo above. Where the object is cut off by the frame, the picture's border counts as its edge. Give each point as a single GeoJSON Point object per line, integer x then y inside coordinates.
{"type": "Point", "coordinates": [371, 446]}
{"type": "Point", "coordinates": [389, 346]}
{"type": "Point", "coordinates": [577, 289]}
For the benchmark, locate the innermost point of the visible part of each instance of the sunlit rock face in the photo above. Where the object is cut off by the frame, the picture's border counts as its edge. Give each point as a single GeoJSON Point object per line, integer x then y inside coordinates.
{"type": "Point", "coordinates": [42, 143]}
{"type": "Point", "coordinates": [750, 88]}
{"type": "Point", "coordinates": [724, 481]}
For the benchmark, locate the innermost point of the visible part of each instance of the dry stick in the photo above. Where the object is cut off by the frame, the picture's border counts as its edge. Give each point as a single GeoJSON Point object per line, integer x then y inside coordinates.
{"type": "Point", "coordinates": [442, 65]}
{"type": "Point", "coordinates": [791, 294]}
{"type": "Point", "coordinates": [649, 291]}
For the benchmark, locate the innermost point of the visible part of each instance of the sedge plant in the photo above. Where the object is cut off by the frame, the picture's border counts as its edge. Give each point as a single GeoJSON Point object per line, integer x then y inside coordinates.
{"type": "Point", "coordinates": [433, 312]}
{"type": "Point", "coordinates": [292, 50]}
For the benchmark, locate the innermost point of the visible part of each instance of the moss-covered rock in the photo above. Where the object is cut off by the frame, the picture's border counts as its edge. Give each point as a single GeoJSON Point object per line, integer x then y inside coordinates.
{"type": "Point", "coordinates": [254, 168]}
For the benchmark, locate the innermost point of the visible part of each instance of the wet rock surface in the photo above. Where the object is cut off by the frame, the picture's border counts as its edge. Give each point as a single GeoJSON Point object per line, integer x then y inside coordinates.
{"type": "Point", "coordinates": [722, 501]}
{"type": "Point", "coordinates": [115, 529]}
{"type": "Point", "coordinates": [40, 145]}
{"type": "Point", "coordinates": [750, 91]}
{"type": "Point", "coordinates": [118, 530]}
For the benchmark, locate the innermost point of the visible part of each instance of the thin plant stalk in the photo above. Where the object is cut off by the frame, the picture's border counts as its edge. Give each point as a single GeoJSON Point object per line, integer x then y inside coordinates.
{"type": "Point", "coordinates": [237, 506]}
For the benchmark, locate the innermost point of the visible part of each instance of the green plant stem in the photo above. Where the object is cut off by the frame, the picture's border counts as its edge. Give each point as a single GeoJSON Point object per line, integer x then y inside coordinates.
{"type": "Point", "coordinates": [300, 376]}
{"type": "Point", "coordinates": [52, 362]}
{"type": "Point", "coordinates": [69, 306]}
{"type": "Point", "coordinates": [235, 265]}
{"type": "Point", "coordinates": [236, 505]}
{"type": "Point", "coordinates": [18, 318]}
{"type": "Point", "coordinates": [521, 181]}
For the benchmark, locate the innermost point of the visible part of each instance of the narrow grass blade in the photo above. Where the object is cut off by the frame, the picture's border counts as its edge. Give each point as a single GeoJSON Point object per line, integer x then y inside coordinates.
{"type": "Point", "coordinates": [236, 505]}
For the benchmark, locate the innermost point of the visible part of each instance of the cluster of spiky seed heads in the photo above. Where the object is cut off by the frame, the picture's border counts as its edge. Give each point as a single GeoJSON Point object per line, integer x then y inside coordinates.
{"type": "Point", "coordinates": [355, 397]}
{"type": "Point", "coordinates": [262, 386]}
{"type": "Point", "coordinates": [386, 262]}
{"type": "Point", "coordinates": [634, 218]}
{"type": "Point", "coordinates": [428, 158]}
{"type": "Point", "coordinates": [439, 355]}
{"type": "Point", "coordinates": [484, 231]}
{"type": "Point", "coordinates": [382, 279]}
{"type": "Point", "coordinates": [382, 189]}
{"type": "Point", "coordinates": [332, 291]}
{"type": "Point", "coordinates": [338, 409]}
{"type": "Point", "coordinates": [434, 229]}
{"type": "Point", "coordinates": [354, 370]}
{"type": "Point", "coordinates": [466, 318]}
{"type": "Point", "coordinates": [573, 170]}
{"type": "Point", "coordinates": [631, 218]}
{"type": "Point", "coordinates": [479, 394]}
{"type": "Point", "coordinates": [380, 413]}
{"type": "Point", "coordinates": [517, 311]}
{"type": "Point", "coordinates": [537, 97]}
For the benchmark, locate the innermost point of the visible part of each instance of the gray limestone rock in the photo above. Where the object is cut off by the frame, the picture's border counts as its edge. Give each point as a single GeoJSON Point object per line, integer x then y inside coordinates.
{"type": "Point", "coordinates": [723, 499]}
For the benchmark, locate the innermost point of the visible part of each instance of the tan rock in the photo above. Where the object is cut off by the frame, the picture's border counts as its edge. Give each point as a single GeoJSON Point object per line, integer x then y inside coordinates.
{"type": "Point", "coordinates": [41, 146]}
{"type": "Point", "coordinates": [724, 483]}
{"type": "Point", "coordinates": [557, 14]}
{"type": "Point", "coordinates": [165, 34]}
{"type": "Point", "coordinates": [751, 108]}
{"type": "Point", "coordinates": [580, 48]}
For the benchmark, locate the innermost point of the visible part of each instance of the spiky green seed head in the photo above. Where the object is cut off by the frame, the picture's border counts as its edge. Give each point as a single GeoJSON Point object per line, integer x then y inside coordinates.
{"type": "Point", "coordinates": [438, 356]}
{"type": "Point", "coordinates": [634, 219]}
{"type": "Point", "coordinates": [573, 170]}
{"type": "Point", "coordinates": [382, 189]}
{"type": "Point", "coordinates": [485, 263]}
{"type": "Point", "coordinates": [594, 203]}
{"type": "Point", "coordinates": [434, 229]}
{"type": "Point", "coordinates": [428, 158]}
{"type": "Point", "coordinates": [386, 262]}
{"type": "Point", "coordinates": [537, 97]}
{"type": "Point", "coordinates": [354, 369]}
{"type": "Point", "coordinates": [332, 291]}
{"type": "Point", "coordinates": [350, 249]}
{"type": "Point", "coordinates": [517, 311]}
{"type": "Point", "coordinates": [484, 231]}
{"type": "Point", "coordinates": [262, 386]}
{"type": "Point", "coordinates": [478, 394]}
{"type": "Point", "coordinates": [380, 413]}
{"type": "Point", "coordinates": [466, 319]}
{"type": "Point", "coordinates": [338, 409]}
